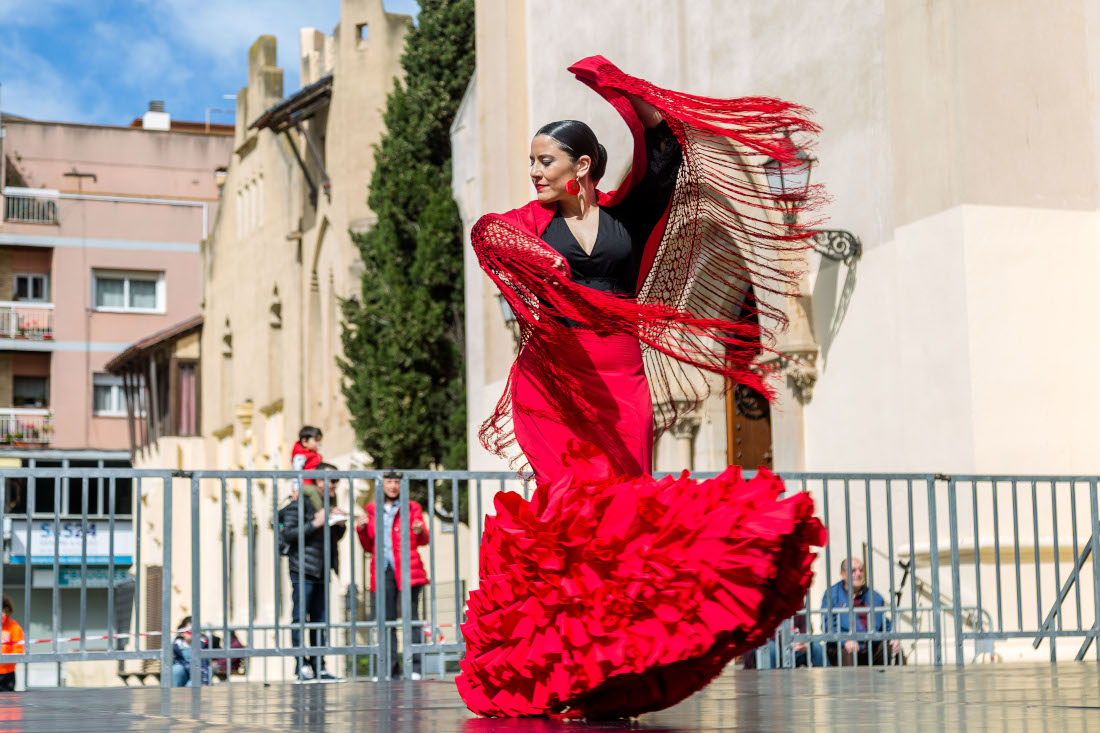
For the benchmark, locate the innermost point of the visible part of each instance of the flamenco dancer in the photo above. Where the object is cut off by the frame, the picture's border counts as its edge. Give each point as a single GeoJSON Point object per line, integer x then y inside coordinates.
{"type": "Point", "coordinates": [612, 593]}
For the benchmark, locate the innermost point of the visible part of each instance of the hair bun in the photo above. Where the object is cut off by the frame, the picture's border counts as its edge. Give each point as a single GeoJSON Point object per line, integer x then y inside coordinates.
{"type": "Point", "coordinates": [599, 167]}
{"type": "Point", "coordinates": [577, 139]}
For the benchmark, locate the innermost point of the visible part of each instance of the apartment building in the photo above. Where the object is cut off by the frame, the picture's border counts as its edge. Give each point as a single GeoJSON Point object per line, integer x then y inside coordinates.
{"type": "Point", "coordinates": [99, 247]}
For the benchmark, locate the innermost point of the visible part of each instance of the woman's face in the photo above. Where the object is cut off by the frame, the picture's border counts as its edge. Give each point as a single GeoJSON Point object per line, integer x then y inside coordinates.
{"type": "Point", "coordinates": [551, 168]}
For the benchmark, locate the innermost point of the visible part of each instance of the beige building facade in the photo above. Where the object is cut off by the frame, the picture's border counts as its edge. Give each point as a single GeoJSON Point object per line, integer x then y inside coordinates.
{"type": "Point", "coordinates": [961, 145]}
{"type": "Point", "coordinates": [278, 261]}
{"type": "Point", "coordinates": [281, 255]}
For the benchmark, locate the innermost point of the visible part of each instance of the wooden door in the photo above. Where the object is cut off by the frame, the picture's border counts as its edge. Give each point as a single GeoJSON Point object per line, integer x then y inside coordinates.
{"type": "Point", "coordinates": [748, 428]}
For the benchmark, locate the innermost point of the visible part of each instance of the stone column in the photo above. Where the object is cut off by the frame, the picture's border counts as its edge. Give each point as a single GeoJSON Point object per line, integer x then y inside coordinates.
{"type": "Point", "coordinates": [795, 363]}
{"type": "Point", "coordinates": [794, 388]}
{"type": "Point", "coordinates": [684, 431]}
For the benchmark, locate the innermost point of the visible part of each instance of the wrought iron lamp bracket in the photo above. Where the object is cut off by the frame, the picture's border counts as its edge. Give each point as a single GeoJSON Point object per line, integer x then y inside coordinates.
{"type": "Point", "coordinates": [837, 244]}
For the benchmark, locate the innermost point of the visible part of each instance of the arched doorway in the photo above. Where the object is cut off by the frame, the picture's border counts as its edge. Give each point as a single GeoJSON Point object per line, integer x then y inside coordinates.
{"type": "Point", "coordinates": [748, 428]}
{"type": "Point", "coordinates": [748, 417]}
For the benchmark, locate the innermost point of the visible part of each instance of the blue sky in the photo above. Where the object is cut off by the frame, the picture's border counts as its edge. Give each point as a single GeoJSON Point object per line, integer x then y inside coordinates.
{"type": "Point", "coordinates": [102, 61]}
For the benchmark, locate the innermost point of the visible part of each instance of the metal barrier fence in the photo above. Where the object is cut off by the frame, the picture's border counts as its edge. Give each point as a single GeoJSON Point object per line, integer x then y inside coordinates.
{"type": "Point", "coordinates": [966, 568]}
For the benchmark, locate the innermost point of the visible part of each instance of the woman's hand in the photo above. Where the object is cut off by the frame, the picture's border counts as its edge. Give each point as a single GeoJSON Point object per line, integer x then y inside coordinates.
{"type": "Point", "coordinates": [360, 519]}
{"type": "Point", "coordinates": [559, 270]}
{"type": "Point", "coordinates": [647, 113]}
{"type": "Point", "coordinates": [418, 527]}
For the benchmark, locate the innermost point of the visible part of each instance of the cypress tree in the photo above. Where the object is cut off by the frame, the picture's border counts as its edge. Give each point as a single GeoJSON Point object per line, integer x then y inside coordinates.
{"type": "Point", "coordinates": [403, 337]}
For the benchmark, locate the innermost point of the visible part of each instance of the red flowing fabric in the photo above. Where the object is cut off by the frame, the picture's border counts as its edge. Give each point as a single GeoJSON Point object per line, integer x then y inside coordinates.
{"type": "Point", "coordinates": [607, 598]}
{"type": "Point", "coordinates": [611, 593]}
{"type": "Point", "coordinates": [613, 388]}
{"type": "Point", "coordinates": [714, 271]}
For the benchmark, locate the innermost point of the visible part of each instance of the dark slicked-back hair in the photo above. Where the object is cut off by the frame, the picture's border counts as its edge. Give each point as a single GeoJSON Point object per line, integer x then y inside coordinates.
{"type": "Point", "coordinates": [577, 139]}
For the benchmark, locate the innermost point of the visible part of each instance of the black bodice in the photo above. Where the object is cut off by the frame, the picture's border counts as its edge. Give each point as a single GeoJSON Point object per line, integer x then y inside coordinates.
{"type": "Point", "coordinates": [625, 227]}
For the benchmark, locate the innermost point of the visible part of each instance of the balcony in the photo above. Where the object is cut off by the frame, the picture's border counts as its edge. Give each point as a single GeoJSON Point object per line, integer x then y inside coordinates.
{"type": "Point", "coordinates": [25, 427]}
{"type": "Point", "coordinates": [30, 205]}
{"type": "Point", "coordinates": [33, 321]}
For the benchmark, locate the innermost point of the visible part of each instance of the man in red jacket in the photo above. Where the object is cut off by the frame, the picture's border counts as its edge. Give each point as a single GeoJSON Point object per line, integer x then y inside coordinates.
{"type": "Point", "coordinates": [391, 548]}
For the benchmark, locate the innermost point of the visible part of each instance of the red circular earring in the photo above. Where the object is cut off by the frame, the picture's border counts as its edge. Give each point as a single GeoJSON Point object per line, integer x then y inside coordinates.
{"type": "Point", "coordinates": [572, 187]}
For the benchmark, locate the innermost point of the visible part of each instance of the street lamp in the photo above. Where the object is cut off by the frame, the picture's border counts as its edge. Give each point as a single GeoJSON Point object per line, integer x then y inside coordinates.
{"type": "Point", "coordinates": [790, 184]}
{"type": "Point", "coordinates": [506, 311]}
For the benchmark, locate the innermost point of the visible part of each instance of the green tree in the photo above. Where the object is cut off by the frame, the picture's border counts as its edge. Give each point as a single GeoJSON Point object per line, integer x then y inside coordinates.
{"type": "Point", "coordinates": [403, 335]}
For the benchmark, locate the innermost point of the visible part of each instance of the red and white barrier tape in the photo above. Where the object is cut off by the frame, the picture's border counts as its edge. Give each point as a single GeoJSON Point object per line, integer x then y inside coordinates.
{"type": "Point", "coordinates": [72, 639]}
{"type": "Point", "coordinates": [106, 637]}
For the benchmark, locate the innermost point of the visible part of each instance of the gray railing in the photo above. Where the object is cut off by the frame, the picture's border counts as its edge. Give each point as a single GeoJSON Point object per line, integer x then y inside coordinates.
{"type": "Point", "coordinates": [30, 205]}
{"type": "Point", "coordinates": [26, 320]}
{"type": "Point", "coordinates": [967, 568]}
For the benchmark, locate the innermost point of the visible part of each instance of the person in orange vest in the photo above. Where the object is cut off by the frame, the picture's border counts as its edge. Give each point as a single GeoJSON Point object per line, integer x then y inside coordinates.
{"type": "Point", "coordinates": [11, 642]}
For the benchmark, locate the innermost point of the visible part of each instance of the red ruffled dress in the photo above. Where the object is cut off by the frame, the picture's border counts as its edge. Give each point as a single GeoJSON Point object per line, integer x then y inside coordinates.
{"type": "Point", "coordinates": [611, 593]}
{"type": "Point", "coordinates": [607, 598]}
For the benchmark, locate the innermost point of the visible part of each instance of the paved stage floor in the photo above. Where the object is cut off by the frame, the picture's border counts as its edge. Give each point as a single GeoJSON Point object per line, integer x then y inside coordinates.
{"type": "Point", "coordinates": [1005, 697]}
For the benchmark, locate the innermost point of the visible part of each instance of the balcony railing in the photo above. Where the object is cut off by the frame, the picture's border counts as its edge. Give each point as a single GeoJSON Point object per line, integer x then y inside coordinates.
{"type": "Point", "coordinates": [19, 320]}
{"type": "Point", "coordinates": [30, 205]}
{"type": "Point", "coordinates": [25, 427]}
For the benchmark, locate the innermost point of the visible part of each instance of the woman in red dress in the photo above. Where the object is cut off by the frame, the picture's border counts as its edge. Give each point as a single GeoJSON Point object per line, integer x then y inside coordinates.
{"type": "Point", "coordinates": [612, 593]}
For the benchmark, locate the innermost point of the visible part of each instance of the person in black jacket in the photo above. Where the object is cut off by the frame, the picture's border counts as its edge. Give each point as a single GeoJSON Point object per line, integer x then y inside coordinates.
{"type": "Point", "coordinates": [308, 592]}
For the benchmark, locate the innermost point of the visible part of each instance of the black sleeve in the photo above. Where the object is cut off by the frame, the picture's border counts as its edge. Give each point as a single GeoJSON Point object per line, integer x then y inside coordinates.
{"type": "Point", "coordinates": [643, 206]}
{"type": "Point", "coordinates": [290, 523]}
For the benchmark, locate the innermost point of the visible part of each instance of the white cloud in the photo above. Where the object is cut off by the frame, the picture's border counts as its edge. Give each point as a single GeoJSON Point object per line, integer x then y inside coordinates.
{"type": "Point", "coordinates": [223, 31]}
{"type": "Point", "coordinates": [28, 13]}
{"type": "Point", "coordinates": [187, 52]}
{"type": "Point", "coordinates": [33, 88]}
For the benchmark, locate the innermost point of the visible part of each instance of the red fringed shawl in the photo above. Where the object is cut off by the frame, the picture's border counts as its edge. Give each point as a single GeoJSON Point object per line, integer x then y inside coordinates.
{"type": "Point", "coordinates": [716, 269]}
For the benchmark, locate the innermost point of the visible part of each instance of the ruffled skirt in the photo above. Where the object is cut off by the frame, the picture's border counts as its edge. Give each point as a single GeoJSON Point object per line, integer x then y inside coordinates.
{"type": "Point", "coordinates": [604, 597]}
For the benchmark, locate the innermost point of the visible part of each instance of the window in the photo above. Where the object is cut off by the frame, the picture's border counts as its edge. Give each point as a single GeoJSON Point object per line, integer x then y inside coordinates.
{"type": "Point", "coordinates": [188, 380]}
{"type": "Point", "coordinates": [133, 292]}
{"type": "Point", "coordinates": [240, 213]}
{"type": "Point", "coordinates": [30, 391]}
{"type": "Point", "coordinates": [33, 287]}
{"type": "Point", "coordinates": [250, 206]}
{"type": "Point", "coordinates": [107, 397]}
